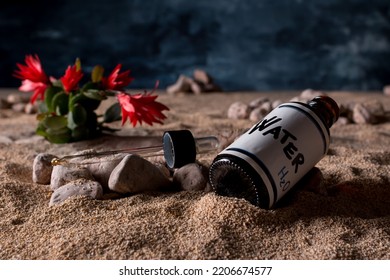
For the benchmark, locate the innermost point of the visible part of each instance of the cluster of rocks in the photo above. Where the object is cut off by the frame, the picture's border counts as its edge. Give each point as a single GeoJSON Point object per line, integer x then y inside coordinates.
{"type": "Point", "coordinates": [254, 111]}
{"type": "Point", "coordinates": [201, 82]}
{"type": "Point", "coordinates": [386, 90]}
{"type": "Point", "coordinates": [19, 102]}
{"type": "Point", "coordinates": [351, 112]}
{"type": "Point", "coordinates": [117, 176]}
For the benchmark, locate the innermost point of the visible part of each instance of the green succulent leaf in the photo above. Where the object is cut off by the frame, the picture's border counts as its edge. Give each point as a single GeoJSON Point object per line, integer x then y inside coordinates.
{"type": "Point", "coordinates": [42, 107]}
{"type": "Point", "coordinates": [95, 94]}
{"type": "Point", "coordinates": [50, 93]}
{"type": "Point", "coordinates": [77, 116]}
{"type": "Point", "coordinates": [55, 122]}
{"type": "Point", "coordinates": [74, 99]}
{"type": "Point", "coordinates": [59, 131]}
{"type": "Point", "coordinates": [90, 85]}
{"type": "Point", "coordinates": [41, 129]}
{"type": "Point", "coordinates": [80, 132]}
{"type": "Point", "coordinates": [60, 103]}
{"type": "Point", "coordinates": [59, 138]}
{"type": "Point", "coordinates": [113, 113]}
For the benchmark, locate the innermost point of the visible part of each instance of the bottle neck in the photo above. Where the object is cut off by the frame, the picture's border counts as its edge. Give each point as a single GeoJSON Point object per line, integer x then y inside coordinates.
{"type": "Point", "coordinates": [326, 109]}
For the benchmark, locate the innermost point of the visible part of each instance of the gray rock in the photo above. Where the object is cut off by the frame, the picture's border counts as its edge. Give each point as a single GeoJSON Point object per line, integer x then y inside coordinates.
{"type": "Point", "coordinates": [31, 108]}
{"type": "Point", "coordinates": [260, 112]}
{"type": "Point", "coordinates": [238, 110]}
{"type": "Point", "coordinates": [375, 107]}
{"type": "Point", "coordinates": [42, 168]}
{"type": "Point", "coordinates": [62, 175]}
{"type": "Point", "coordinates": [18, 97]}
{"type": "Point", "coordinates": [5, 140]}
{"type": "Point", "coordinates": [19, 107]}
{"type": "Point", "coordinates": [258, 102]}
{"type": "Point", "coordinates": [183, 84]}
{"type": "Point", "coordinates": [163, 168]}
{"type": "Point", "coordinates": [361, 115]}
{"type": "Point", "coordinates": [276, 103]}
{"type": "Point", "coordinates": [80, 187]}
{"type": "Point", "coordinates": [101, 169]}
{"type": "Point", "coordinates": [386, 90]}
{"type": "Point", "coordinates": [191, 177]}
{"type": "Point", "coordinates": [135, 174]}
{"type": "Point", "coordinates": [202, 76]}
{"type": "Point", "coordinates": [195, 87]}
{"type": "Point", "coordinates": [343, 121]}
{"type": "Point", "coordinates": [309, 94]}
{"type": "Point", "coordinates": [4, 104]}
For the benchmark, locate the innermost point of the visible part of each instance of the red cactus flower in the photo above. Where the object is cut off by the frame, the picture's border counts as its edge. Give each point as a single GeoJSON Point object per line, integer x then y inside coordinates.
{"type": "Point", "coordinates": [116, 80]}
{"type": "Point", "coordinates": [33, 77]}
{"type": "Point", "coordinates": [141, 108]}
{"type": "Point", "coordinates": [72, 77]}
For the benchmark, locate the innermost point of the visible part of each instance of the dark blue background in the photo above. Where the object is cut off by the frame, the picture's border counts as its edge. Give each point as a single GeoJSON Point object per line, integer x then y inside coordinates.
{"type": "Point", "coordinates": [245, 45]}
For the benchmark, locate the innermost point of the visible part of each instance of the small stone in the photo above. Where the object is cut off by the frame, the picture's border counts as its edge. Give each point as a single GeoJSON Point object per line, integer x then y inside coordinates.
{"type": "Point", "coordinates": [375, 107]}
{"type": "Point", "coordinates": [62, 175]}
{"type": "Point", "coordinates": [30, 108]}
{"type": "Point", "coordinates": [163, 168]}
{"type": "Point", "coordinates": [238, 110]}
{"type": "Point", "coordinates": [135, 174]}
{"type": "Point", "coordinates": [211, 88]}
{"type": "Point", "coordinates": [309, 94]}
{"type": "Point", "coordinates": [5, 140]}
{"type": "Point", "coordinates": [19, 107]}
{"type": "Point", "coordinates": [4, 104]}
{"type": "Point", "coordinates": [361, 115]}
{"type": "Point", "coordinates": [102, 168]}
{"type": "Point", "coordinates": [191, 177]}
{"type": "Point", "coordinates": [42, 168]}
{"type": "Point", "coordinates": [183, 84]}
{"type": "Point", "coordinates": [386, 90]}
{"type": "Point", "coordinates": [276, 103]}
{"type": "Point", "coordinates": [260, 112]}
{"type": "Point", "coordinates": [295, 99]}
{"type": "Point", "coordinates": [15, 98]}
{"type": "Point", "coordinates": [258, 102]}
{"type": "Point", "coordinates": [80, 187]}
{"type": "Point", "coordinates": [343, 121]}
{"type": "Point", "coordinates": [195, 87]}
{"type": "Point", "coordinates": [202, 77]}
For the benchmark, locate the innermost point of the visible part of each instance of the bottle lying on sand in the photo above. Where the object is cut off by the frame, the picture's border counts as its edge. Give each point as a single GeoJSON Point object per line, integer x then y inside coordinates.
{"type": "Point", "coordinates": [264, 163]}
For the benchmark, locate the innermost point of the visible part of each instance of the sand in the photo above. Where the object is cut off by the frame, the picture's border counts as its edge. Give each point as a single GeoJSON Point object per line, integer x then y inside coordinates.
{"type": "Point", "coordinates": [350, 221]}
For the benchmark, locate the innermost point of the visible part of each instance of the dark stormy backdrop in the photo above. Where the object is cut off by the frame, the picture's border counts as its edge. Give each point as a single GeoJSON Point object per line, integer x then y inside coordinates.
{"type": "Point", "coordinates": [244, 44]}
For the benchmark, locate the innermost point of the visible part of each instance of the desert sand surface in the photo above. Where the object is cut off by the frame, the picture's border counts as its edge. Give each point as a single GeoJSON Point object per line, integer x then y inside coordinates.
{"type": "Point", "coordinates": [349, 219]}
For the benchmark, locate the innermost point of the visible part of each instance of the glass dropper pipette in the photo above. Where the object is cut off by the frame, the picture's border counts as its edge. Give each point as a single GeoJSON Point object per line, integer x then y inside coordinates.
{"type": "Point", "coordinates": [178, 147]}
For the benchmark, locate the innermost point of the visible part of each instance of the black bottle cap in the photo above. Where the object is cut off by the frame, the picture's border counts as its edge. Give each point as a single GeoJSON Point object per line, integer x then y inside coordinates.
{"type": "Point", "coordinates": [179, 148]}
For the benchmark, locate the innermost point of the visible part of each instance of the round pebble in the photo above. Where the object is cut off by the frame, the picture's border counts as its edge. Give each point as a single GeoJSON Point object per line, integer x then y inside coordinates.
{"type": "Point", "coordinates": [258, 102]}
{"type": "Point", "coordinates": [102, 168]}
{"type": "Point", "coordinates": [62, 175]}
{"type": "Point", "coordinates": [135, 174]}
{"type": "Point", "coordinates": [42, 168]}
{"type": "Point", "coordinates": [238, 110]}
{"type": "Point", "coordinates": [82, 187]}
{"type": "Point", "coordinates": [191, 177]}
{"type": "Point", "coordinates": [361, 115]}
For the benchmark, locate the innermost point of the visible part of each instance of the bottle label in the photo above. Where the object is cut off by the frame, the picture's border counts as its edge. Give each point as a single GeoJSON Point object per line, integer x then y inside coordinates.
{"type": "Point", "coordinates": [283, 147]}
